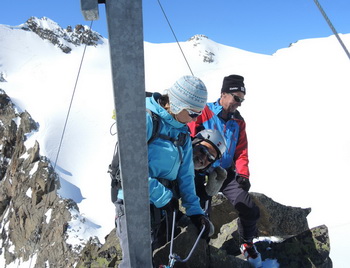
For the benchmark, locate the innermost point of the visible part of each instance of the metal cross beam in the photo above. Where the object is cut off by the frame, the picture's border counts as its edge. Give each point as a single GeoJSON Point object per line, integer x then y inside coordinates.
{"type": "Point", "coordinates": [125, 35]}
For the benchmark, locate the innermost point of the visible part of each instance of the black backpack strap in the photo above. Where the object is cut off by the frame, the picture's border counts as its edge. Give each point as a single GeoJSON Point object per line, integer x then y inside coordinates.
{"type": "Point", "coordinates": [114, 172]}
{"type": "Point", "coordinates": [181, 139]}
{"type": "Point", "coordinates": [149, 94]}
{"type": "Point", "coordinates": [156, 126]}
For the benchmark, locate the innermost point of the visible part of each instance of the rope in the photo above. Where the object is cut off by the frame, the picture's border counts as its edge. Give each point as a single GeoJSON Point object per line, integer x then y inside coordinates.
{"type": "Point", "coordinates": [61, 141]}
{"type": "Point", "coordinates": [332, 27]}
{"type": "Point", "coordinates": [171, 28]}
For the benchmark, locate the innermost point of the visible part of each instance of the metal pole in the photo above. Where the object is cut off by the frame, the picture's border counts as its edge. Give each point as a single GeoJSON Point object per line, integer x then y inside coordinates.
{"type": "Point", "coordinates": [125, 31]}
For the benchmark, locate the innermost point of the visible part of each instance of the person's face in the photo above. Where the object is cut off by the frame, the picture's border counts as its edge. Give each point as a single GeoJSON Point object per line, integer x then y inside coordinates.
{"type": "Point", "coordinates": [187, 115]}
{"type": "Point", "coordinates": [204, 154]}
{"type": "Point", "coordinates": [231, 101]}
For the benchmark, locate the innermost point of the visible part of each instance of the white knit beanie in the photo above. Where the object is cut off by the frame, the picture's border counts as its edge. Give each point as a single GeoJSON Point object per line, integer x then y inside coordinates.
{"type": "Point", "coordinates": [188, 92]}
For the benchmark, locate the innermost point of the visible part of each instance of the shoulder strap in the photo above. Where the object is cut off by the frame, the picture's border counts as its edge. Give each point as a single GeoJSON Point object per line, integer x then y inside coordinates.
{"type": "Point", "coordinates": [182, 137]}
{"type": "Point", "coordinates": [114, 171]}
{"type": "Point", "coordinates": [156, 126]}
{"type": "Point", "coordinates": [149, 94]}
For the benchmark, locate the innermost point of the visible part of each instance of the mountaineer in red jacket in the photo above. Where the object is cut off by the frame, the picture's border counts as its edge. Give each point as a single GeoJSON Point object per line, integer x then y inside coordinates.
{"type": "Point", "coordinates": [222, 115]}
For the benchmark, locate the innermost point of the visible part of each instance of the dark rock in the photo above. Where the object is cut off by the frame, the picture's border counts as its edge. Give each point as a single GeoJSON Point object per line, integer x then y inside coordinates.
{"type": "Point", "coordinates": [308, 249]}
{"type": "Point", "coordinates": [2, 78]}
{"type": "Point", "coordinates": [28, 190]}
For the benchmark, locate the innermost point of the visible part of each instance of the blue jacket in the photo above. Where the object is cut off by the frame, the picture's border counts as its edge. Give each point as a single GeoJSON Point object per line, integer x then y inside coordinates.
{"type": "Point", "coordinates": [164, 161]}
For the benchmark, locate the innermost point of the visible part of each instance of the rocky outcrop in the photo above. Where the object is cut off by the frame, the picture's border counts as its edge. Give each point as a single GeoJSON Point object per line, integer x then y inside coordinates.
{"type": "Point", "coordinates": [286, 241]}
{"type": "Point", "coordinates": [34, 220]}
{"type": "Point", "coordinates": [62, 38]}
{"type": "Point", "coordinates": [2, 78]}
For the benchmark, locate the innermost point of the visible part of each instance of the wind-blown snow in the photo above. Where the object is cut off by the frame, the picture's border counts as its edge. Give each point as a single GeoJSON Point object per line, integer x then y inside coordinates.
{"type": "Point", "coordinates": [296, 111]}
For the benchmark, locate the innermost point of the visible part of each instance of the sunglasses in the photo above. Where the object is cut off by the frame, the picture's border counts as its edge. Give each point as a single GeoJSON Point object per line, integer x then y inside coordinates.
{"type": "Point", "coordinates": [236, 98]}
{"type": "Point", "coordinates": [204, 150]}
{"type": "Point", "coordinates": [193, 114]}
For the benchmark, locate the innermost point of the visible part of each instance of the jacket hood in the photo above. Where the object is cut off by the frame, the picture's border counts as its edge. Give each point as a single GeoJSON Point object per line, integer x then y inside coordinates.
{"type": "Point", "coordinates": [154, 106]}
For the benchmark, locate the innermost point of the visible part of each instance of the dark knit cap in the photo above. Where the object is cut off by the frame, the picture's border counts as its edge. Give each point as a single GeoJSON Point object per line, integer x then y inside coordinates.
{"type": "Point", "coordinates": [233, 83]}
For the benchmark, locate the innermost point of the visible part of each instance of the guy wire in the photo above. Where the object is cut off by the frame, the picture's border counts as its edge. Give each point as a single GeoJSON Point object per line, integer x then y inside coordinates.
{"type": "Point", "coordinates": [332, 27]}
{"type": "Point", "coordinates": [171, 28]}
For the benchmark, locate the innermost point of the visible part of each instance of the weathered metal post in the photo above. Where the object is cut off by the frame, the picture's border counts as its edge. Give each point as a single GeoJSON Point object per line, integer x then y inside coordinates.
{"type": "Point", "coordinates": [125, 30]}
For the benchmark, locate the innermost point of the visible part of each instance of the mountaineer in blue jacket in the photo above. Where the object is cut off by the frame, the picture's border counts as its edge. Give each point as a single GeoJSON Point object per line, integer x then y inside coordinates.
{"type": "Point", "coordinates": [171, 169]}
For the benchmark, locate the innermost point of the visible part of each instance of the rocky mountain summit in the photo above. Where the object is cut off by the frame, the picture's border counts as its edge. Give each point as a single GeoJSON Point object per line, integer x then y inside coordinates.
{"type": "Point", "coordinates": [62, 38]}
{"type": "Point", "coordinates": [35, 222]}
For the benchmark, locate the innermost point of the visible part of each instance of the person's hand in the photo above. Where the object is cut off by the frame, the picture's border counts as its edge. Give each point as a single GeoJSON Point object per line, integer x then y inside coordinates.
{"type": "Point", "coordinates": [201, 220]}
{"type": "Point", "coordinates": [171, 206]}
{"type": "Point", "coordinates": [244, 183]}
{"type": "Point", "coordinates": [215, 180]}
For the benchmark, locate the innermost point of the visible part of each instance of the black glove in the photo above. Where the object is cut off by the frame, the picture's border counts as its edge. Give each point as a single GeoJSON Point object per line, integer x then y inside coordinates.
{"type": "Point", "coordinates": [172, 205]}
{"type": "Point", "coordinates": [200, 220]}
{"type": "Point", "coordinates": [244, 183]}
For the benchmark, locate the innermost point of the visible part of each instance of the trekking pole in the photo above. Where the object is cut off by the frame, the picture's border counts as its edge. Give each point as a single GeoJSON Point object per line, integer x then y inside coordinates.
{"type": "Point", "coordinates": [172, 256]}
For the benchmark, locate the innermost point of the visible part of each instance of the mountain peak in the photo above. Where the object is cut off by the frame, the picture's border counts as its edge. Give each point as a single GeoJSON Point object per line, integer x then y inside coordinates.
{"type": "Point", "coordinates": [43, 23]}
{"type": "Point", "coordinates": [198, 37]}
{"type": "Point", "coordinates": [47, 29]}
{"type": "Point", "coordinates": [206, 47]}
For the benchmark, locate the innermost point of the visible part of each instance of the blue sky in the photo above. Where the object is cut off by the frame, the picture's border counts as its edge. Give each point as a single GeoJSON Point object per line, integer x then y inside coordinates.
{"type": "Point", "coordinates": [252, 25]}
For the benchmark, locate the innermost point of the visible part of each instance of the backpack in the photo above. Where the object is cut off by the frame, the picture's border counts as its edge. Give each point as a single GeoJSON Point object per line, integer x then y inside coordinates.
{"type": "Point", "coordinates": [113, 168]}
